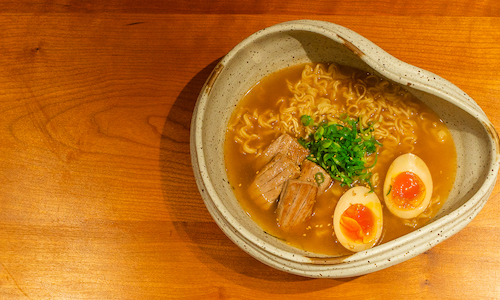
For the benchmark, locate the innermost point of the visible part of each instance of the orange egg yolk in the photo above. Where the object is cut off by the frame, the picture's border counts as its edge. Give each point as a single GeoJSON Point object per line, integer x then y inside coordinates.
{"type": "Point", "coordinates": [357, 223]}
{"type": "Point", "coordinates": [408, 190]}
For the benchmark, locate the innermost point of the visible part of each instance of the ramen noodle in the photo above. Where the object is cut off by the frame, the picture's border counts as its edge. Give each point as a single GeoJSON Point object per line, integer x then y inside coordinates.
{"type": "Point", "coordinates": [327, 92]}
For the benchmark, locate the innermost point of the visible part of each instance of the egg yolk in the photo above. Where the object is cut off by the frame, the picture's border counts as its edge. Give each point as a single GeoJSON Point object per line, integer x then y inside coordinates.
{"type": "Point", "coordinates": [408, 190]}
{"type": "Point", "coordinates": [357, 223]}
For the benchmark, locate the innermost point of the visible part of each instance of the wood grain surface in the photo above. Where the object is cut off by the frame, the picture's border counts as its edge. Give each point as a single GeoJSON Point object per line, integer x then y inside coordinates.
{"type": "Point", "coordinates": [97, 194]}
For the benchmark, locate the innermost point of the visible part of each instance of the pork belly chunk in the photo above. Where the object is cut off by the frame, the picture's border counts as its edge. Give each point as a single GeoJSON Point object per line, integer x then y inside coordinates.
{"type": "Point", "coordinates": [313, 173]}
{"type": "Point", "coordinates": [268, 183]}
{"type": "Point", "coordinates": [286, 145]}
{"type": "Point", "coordinates": [296, 203]}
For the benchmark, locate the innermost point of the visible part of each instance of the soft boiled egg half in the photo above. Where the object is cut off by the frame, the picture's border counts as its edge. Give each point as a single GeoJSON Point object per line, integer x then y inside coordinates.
{"type": "Point", "coordinates": [357, 220]}
{"type": "Point", "coordinates": [408, 186]}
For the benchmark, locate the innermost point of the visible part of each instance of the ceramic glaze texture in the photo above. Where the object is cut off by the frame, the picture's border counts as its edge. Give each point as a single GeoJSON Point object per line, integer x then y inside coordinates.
{"type": "Point", "coordinates": [303, 41]}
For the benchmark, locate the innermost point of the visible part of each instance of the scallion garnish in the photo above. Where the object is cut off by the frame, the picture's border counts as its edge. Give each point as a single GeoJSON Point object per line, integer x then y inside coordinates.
{"type": "Point", "coordinates": [306, 120]}
{"type": "Point", "coordinates": [319, 177]}
{"type": "Point", "coordinates": [390, 188]}
{"type": "Point", "coordinates": [342, 149]}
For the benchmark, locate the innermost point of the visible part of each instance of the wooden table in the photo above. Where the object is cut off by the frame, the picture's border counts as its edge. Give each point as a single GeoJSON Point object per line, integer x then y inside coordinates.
{"type": "Point", "coordinates": [97, 194]}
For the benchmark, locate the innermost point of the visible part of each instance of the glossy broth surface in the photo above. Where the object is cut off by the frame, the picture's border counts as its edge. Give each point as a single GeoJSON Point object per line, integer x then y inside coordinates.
{"type": "Point", "coordinates": [317, 234]}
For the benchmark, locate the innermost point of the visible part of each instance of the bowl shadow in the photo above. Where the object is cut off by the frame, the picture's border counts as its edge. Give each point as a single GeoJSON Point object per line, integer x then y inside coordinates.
{"type": "Point", "coordinates": [181, 196]}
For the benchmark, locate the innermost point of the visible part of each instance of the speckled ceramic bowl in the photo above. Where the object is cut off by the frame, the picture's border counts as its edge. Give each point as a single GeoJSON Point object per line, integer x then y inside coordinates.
{"type": "Point", "coordinates": [303, 41]}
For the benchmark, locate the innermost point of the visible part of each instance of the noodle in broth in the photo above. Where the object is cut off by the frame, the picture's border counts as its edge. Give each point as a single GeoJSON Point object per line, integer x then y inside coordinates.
{"type": "Point", "coordinates": [325, 92]}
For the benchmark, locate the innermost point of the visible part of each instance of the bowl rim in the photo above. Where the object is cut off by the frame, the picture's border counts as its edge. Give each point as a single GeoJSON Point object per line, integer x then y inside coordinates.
{"type": "Point", "coordinates": [280, 258]}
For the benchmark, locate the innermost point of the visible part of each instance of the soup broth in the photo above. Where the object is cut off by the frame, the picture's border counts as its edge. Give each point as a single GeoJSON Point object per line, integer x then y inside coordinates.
{"type": "Point", "coordinates": [402, 123]}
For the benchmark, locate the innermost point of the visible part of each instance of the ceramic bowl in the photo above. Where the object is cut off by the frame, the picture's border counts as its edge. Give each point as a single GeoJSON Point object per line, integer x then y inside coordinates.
{"type": "Point", "coordinates": [303, 41]}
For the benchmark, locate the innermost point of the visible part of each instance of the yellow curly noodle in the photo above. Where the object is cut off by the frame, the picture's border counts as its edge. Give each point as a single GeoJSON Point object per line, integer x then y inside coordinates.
{"type": "Point", "coordinates": [250, 126]}
{"type": "Point", "coordinates": [327, 91]}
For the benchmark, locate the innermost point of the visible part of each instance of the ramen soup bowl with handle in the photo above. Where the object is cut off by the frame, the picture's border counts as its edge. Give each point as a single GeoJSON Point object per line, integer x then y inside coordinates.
{"type": "Point", "coordinates": [296, 42]}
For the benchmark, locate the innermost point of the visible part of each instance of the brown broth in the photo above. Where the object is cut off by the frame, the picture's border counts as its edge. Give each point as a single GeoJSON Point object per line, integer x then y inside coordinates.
{"type": "Point", "coordinates": [316, 236]}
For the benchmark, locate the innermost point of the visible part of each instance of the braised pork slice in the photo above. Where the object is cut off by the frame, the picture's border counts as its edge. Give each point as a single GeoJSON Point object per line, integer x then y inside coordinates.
{"type": "Point", "coordinates": [296, 203]}
{"type": "Point", "coordinates": [313, 173]}
{"type": "Point", "coordinates": [284, 144]}
{"type": "Point", "coordinates": [268, 183]}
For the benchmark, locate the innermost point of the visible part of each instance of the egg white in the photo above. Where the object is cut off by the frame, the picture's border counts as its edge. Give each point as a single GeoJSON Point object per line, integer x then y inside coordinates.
{"type": "Point", "coordinates": [408, 163]}
{"type": "Point", "coordinates": [358, 195]}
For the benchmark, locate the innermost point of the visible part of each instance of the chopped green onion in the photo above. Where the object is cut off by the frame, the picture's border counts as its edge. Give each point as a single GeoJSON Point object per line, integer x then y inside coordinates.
{"type": "Point", "coordinates": [390, 188]}
{"type": "Point", "coordinates": [319, 177]}
{"type": "Point", "coordinates": [306, 120]}
{"type": "Point", "coordinates": [342, 149]}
